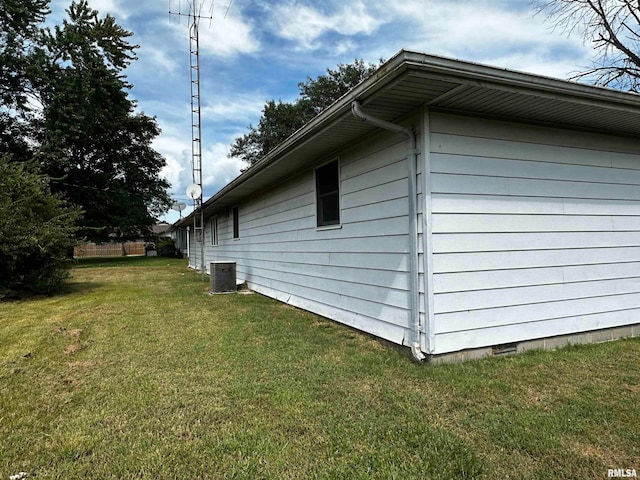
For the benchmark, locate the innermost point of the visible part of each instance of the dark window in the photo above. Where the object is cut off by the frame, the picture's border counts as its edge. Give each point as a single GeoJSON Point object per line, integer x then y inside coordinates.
{"type": "Point", "coordinates": [236, 223]}
{"type": "Point", "coordinates": [328, 194]}
{"type": "Point", "coordinates": [214, 231]}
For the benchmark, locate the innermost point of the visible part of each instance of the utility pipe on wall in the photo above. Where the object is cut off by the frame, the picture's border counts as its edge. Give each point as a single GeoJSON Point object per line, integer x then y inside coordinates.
{"type": "Point", "coordinates": [414, 307]}
{"type": "Point", "coordinates": [188, 251]}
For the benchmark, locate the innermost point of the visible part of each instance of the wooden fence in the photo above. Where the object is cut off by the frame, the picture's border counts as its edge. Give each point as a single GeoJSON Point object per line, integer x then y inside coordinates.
{"type": "Point", "coordinates": [108, 249]}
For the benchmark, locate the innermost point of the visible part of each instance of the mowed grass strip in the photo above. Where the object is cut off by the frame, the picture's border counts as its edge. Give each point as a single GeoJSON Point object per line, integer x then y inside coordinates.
{"type": "Point", "coordinates": [136, 373]}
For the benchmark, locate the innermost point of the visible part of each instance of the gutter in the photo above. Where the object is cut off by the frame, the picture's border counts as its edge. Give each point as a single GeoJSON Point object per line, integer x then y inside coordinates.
{"type": "Point", "coordinates": [414, 295]}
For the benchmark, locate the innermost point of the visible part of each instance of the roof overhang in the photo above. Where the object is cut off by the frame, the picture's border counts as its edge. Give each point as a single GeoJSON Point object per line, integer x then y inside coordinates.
{"type": "Point", "coordinates": [411, 80]}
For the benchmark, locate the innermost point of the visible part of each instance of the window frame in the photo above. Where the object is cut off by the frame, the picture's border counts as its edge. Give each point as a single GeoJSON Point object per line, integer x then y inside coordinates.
{"type": "Point", "coordinates": [319, 224]}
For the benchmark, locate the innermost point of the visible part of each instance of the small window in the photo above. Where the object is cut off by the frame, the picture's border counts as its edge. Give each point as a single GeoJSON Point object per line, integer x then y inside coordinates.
{"type": "Point", "coordinates": [328, 194]}
{"type": "Point", "coordinates": [236, 223]}
{"type": "Point", "coordinates": [214, 230]}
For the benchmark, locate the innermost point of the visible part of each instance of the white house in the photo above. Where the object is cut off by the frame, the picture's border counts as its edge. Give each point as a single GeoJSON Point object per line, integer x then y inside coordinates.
{"type": "Point", "coordinates": [458, 209]}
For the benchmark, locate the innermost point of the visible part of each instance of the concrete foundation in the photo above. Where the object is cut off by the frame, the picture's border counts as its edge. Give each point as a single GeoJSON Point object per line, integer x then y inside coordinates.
{"type": "Point", "coordinates": [596, 336]}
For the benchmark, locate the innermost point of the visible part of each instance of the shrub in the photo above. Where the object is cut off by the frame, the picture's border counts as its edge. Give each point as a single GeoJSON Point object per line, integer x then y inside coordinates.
{"type": "Point", "coordinates": [37, 231]}
{"type": "Point", "coordinates": [166, 247]}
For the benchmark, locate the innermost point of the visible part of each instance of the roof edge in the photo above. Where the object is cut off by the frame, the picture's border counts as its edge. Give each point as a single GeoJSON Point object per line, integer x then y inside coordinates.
{"type": "Point", "coordinates": [518, 79]}
{"type": "Point", "coordinates": [406, 60]}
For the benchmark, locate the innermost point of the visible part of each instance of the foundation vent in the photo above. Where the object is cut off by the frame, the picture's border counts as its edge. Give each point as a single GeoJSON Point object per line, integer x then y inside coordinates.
{"type": "Point", "coordinates": [506, 349]}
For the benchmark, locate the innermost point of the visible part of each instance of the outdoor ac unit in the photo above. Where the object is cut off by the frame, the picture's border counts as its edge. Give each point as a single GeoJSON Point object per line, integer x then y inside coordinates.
{"type": "Point", "coordinates": [223, 277]}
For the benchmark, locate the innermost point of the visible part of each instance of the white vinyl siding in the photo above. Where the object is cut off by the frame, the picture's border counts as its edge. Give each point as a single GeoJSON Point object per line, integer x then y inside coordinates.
{"type": "Point", "coordinates": [356, 274]}
{"type": "Point", "coordinates": [195, 250]}
{"type": "Point", "coordinates": [536, 231]}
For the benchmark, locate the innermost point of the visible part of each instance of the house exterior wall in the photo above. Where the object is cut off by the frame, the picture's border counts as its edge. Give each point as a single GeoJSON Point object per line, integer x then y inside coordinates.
{"type": "Point", "coordinates": [356, 274]}
{"type": "Point", "coordinates": [536, 232]}
{"type": "Point", "coordinates": [194, 254]}
{"type": "Point", "coordinates": [179, 238]}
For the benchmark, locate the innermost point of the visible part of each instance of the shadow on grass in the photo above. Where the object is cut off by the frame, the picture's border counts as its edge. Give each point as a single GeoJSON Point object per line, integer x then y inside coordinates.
{"type": "Point", "coordinates": [130, 261]}
{"type": "Point", "coordinates": [66, 289]}
{"type": "Point", "coordinates": [71, 288]}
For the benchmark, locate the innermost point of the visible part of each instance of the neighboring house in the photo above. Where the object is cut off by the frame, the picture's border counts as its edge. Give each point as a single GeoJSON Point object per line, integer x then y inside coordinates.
{"type": "Point", "coordinates": [499, 211]}
{"type": "Point", "coordinates": [161, 230]}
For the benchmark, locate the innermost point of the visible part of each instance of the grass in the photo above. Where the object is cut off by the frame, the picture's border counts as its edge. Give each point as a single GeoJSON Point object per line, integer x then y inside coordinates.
{"type": "Point", "coordinates": [135, 373]}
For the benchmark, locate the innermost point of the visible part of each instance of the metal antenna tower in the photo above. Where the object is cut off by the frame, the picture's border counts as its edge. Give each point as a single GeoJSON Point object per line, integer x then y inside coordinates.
{"type": "Point", "coordinates": [193, 14]}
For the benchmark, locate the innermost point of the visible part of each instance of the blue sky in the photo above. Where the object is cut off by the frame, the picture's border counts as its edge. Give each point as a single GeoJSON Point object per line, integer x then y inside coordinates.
{"type": "Point", "coordinates": [261, 49]}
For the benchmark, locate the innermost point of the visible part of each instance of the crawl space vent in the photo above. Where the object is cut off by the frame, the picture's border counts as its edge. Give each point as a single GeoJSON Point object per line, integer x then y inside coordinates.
{"type": "Point", "coordinates": [506, 349]}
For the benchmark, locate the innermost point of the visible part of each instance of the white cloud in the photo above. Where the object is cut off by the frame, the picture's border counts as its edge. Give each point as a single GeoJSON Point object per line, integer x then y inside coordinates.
{"type": "Point", "coordinates": [228, 36]}
{"type": "Point", "coordinates": [534, 62]}
{"type": "Point", "coordinates": [241, 108]}
{"type": "Point", "coordinates": [344, 47]}
{"type": "Point", "coordinates": [481, 26]}
{"type": "Point", "coordinates": [218, 168]}
{"type": "Point", "coordinates": [222, 37]}
{"type": "Point", "coordinates": [305, 24]}
{"type": "Point", "coordinates": [487, 31]}
{"type": "Point", "coordinates": [159, 58]}
{"type": "Point", "coordinates": [171, 109]}
{"type": "Point", "coordinates": [484, 31]}
{"type": "Point", "coordinates": [178, 169]}
{"type": "Point", "coordinates": [112, 7]}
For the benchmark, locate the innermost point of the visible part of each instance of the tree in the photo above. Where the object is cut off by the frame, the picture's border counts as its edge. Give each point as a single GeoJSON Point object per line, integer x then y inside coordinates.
{"type": "Point", "coordinates": [19, 61]}
{"type": "Point", "coordinates": [37, 229]}
{"type": "Point", "coordinates": [19, 20]}
{"type": "Point", "coordinates": [84, 141]}
{"type": "Point", "coordinates": [317, 94]}
{"type": "Point", "coordinates": [613, 28]}
{"type": "Point", "coordinates": [280, 119]}
{"type": "Point", "coordinates": [94, 146]}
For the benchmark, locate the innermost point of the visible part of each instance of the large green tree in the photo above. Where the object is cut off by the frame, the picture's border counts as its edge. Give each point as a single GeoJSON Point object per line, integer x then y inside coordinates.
{"type": "Point", "coordinates": [37, 229]}
{"type": "Point", "coordinates": [19, 66]}
{"type": "Point", "coordinates": [612, 28]}
{"type": "Point", "coordinates": [94, 145]}
{"type": "Point", "coordinates": [19, 34]}
{"type": "Point", "coordinates": [280, 119]}
{"type": "Point", "coordinates": [70, 140]}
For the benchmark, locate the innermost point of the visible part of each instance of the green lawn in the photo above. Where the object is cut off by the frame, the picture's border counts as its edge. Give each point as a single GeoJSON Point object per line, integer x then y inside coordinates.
{"type": "Point", "coordinates": [135, 372]}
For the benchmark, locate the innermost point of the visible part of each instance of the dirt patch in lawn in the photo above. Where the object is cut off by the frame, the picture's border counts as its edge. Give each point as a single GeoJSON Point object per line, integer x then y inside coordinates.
{"type": "Point", "coordinates": [75, 345]}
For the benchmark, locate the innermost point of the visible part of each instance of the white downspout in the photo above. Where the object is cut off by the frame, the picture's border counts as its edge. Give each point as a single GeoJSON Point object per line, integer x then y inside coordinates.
{"type": "Point", "coordinates": [188, 250]}
{"type": "Point", "coordinates": [414, 307]}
